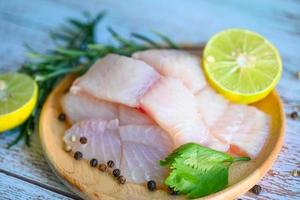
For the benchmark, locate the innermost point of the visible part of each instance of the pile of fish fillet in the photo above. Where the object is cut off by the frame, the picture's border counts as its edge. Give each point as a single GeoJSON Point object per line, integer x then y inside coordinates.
{"type": "Point", "coordinates": [137, 110]}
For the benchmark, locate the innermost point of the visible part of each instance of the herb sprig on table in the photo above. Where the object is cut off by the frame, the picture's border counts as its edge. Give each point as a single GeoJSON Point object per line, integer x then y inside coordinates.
{"type": "Point", "coordinates": [75, 51]}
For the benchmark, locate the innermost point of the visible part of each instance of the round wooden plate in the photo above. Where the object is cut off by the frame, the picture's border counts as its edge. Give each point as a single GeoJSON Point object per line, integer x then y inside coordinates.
{"type": "Point", "coordinates": [90, 183]}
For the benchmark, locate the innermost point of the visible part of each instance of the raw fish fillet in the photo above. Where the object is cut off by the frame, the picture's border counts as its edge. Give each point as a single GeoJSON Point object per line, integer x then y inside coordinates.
{"type": "Point", "coordinates": [143, 147]}
{"type": "Point", "coordinates": [211, 105]}
{"type": "Point", "coordinates": [136, 149]}
{"type": "Point", "coordinates": [140, 163]}
{"type": "Point", "coordinates": [174, 108]}
{"type": "Point", "coordinates": [117, 79]}
{"type": "Point", "coordinates": [245, 128]}
{"type": "Point", "coordinates": [177, 64]}
{"type": "Point", "coordinates": [83, 107]}
{"type": "Point", "coordinates": [130, 116]}
{"type": "Point", "coordinates": [149, 135]}
{"type": "Point", "coordinates": [103, 140]}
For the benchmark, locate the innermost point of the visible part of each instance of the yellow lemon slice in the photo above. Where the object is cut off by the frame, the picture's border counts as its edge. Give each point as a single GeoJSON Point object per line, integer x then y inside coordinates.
{"type": "Point", "coordinates": [242, 65]}
{"type": "Point", "coordinates": [18, 97]}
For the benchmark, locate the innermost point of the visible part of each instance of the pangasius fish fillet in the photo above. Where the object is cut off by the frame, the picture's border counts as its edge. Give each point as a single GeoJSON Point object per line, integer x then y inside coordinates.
{"type": "Point", "coordinates": [117, 79]}
{"type": "Point", "coordinates": [175, 109]}
{"type": "Point", "coordinates": [135, 149]}
{"type": "Point", "coordinates": [83, 107]}
{"type": "Point", "coordinates": [178, 64]}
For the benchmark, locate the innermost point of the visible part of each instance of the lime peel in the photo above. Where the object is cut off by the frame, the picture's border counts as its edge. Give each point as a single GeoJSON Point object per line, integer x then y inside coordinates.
{"type": "Point", "coordinates": [18, 97]}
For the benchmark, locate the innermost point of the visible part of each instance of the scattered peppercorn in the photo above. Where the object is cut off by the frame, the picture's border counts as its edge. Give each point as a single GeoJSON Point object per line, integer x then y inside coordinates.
{"type": "Point", "coordinates": [83, 140]}
{"type": "Point", "coordinates": [67, 148]}
{"type": "Point", "coordinates": [93, 162]}
{"type": "Point", "coordinates": [294, 115]}
{"type": "Point", "coordinates": [121, 179]}
{"type": "Point", "coordinates": [62, 117]}
{"type": "Point", "coordinates": [151, 185]}
{"type": "Point", "coordinates": [102, 167]}
{"type": "Point", "coordinates": [116, 172]}
{"type": "Point", "coordinates": [296, 173]}
{"type": "Point", "coordinates": [172, 191]}
{"type": "Point", "coordinates": [77, 155]}
{"type": "Point", "coordinates": [110, 164]}
{"type": "Point", "coordinates": [256, 189]}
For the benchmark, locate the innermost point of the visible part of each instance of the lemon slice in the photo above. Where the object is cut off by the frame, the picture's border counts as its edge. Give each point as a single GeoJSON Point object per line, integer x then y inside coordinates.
{"type": "Point", "coordinates": [242, 65]}
{"type": "Point", "coordinates": [18, 96]}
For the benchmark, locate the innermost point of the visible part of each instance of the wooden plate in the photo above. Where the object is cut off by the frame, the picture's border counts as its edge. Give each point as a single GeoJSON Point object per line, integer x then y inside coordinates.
{"type": "Point", "coordinates": [92, 184]}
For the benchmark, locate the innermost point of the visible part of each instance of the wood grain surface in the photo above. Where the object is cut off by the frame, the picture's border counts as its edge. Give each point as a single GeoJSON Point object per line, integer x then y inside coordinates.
{"type": "Point", "coordinates": [188, 21]}
{"type": "Point", "coordinates": [23, 191]}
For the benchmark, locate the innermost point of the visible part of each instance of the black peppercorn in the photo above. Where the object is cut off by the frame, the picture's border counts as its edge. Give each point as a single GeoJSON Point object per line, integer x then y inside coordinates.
{"type": "Point", "coordinates": [256, 189]}
{"type": "Point", "coordinates": [83, 140]}
{"type": "Point", "coordinates": [110, 164]}
{"type": "Point", "coordinates": [116, 172]}
{"type": "Point", "coordinates": [121, 179]}
{"type": "Point", "coordinates": [102, 167]}
{"type": "Point", "coordinates": [93, 162]}
{"type": "Point", "coordinates": [151, 185]}
{"type": "Point", "coordinates": [77, 155]}
{"type": "Point", "coordinates": [62, 117]}
{"type": "Point", "coordinates": [294, 115]}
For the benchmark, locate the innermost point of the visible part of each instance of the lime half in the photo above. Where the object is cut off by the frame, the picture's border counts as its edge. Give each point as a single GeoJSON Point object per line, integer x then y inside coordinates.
{"type": "Point", "coordinates": [242, 65]}
{"type": "Point", "coordinates": [18, 96]}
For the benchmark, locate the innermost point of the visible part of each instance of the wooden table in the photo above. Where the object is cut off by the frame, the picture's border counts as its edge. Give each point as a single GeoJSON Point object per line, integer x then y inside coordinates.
{"type": "Point", "coordinates": [24, 173]}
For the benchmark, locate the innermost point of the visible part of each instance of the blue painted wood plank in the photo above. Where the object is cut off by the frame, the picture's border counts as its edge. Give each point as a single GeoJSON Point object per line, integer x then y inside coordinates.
{"type": "Point", "coordinates": [28, 162]}
{"type": "Point", "coordinates": [15, 189]}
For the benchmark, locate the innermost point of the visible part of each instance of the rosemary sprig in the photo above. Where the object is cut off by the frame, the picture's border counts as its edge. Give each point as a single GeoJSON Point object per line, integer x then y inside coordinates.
{"type": "Point", "coordinates": [76, 50]}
